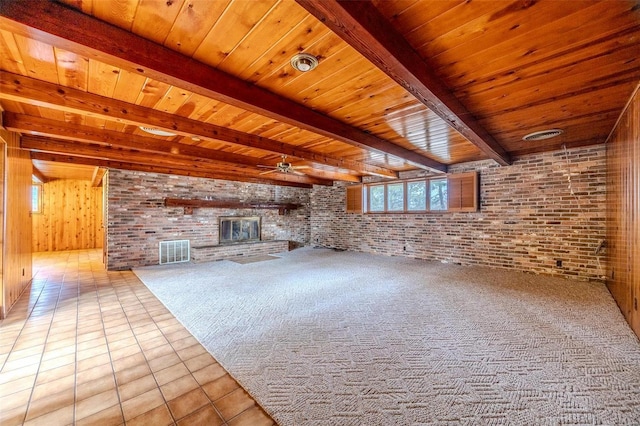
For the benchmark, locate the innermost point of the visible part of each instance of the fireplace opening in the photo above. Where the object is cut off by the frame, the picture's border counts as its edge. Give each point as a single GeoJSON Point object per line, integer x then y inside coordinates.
{"type": "Point", "coordinates": [239, 229]}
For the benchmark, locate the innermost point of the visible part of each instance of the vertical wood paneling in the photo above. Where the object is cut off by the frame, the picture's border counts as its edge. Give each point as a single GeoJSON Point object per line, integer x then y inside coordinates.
{"type": "Point", "coordinates": [623, 213]}
{"type": "Point", "coordinates": [16, 234]}
{"type": "Point", "coordinates": [3, 203]}
{"type": "Point", "coordinates": [71, 217]}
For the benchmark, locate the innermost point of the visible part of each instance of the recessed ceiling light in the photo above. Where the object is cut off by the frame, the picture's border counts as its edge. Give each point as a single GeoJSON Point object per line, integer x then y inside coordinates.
{"type": "Point", "coordinates": [157, 132]}
{"type": "Point", "coordinates": [543, 134]}
{"type": "Point", "coordinates": [304, 62]}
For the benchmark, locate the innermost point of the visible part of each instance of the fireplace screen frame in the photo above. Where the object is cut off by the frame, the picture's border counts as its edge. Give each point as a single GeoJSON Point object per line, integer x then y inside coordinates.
{"type": "Point", "coordinates": [239, 229]}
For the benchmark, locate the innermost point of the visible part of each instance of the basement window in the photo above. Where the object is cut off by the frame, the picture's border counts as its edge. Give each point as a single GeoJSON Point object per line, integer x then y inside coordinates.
{"type": "Point", "coordinates": [451, 193]}
{"type": "Point", "coordinates": [395, 197]}
{"type": "Point", "coordinates": [376, 198]}
{"type": "Point", "coordinates": [417, 196]}
{"type": "Point", "coordinates": [438, 194]}
{"type": "Point", "coordinates": [36, 198]}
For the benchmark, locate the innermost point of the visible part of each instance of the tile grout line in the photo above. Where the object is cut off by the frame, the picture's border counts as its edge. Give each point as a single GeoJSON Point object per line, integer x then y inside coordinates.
{"type": "Point", "coordinates": [79, 285]}
{"type": "Point", "coordinates": [45, 344]}
{"type": "Point", "coordinates": [75, 354]}
{"type": "Point", "coordinates": [211, 402]}
{"type": "Point", "coordinates": [104, 330]}
{"type": "Point", "coordinates": [142, 350]}
{"type": "Point", "coordinates": [116, 297]}
{"type": "Point", "coordinates": [240, 386]}
{"type": "Point", "coordinates": [176, 352]}
{"type": "Point", "coordinates": [28, 313]}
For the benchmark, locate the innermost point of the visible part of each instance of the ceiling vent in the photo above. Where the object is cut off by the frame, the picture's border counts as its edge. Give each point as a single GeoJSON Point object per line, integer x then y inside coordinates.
{"type": "Point", "coordinates": [304, 62]}
{"type": "Point", "coordinates": [543, 134]}
{"type": "Point", "coordinates": [157, 132]}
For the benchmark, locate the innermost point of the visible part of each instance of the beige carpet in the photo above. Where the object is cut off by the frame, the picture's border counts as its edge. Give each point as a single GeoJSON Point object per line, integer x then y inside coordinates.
{"type": "Point", "coordinates": [339, 338]}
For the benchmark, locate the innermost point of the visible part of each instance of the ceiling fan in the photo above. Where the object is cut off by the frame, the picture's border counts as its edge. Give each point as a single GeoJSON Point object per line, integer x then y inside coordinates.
{"type": "Point", "coordinates": [284, 167]}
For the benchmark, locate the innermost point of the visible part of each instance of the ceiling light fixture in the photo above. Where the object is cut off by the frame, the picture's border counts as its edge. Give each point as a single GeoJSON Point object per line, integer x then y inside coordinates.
{"type": "Point", "coordinates": [304, 62]}
{"type": "Point", "coordinates": [157, 132]}
{"type": "Point", "coordinates": [543, 134]}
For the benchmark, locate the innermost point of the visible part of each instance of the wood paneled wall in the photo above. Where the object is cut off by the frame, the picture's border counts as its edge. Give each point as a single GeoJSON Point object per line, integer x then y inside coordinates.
{"type": "Point", "coordinates": [3, 166]}
{"type": "Point", "coordinates": [71, 217]}
{"type": "Point", "coordinates": [623, 213]}
{"type": "Point", "coordinates": [16, 234]}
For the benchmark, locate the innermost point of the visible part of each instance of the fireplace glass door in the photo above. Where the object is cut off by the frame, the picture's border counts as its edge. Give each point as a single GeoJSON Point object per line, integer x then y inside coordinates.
{"type": "Point", "coordinates": [239, 229]}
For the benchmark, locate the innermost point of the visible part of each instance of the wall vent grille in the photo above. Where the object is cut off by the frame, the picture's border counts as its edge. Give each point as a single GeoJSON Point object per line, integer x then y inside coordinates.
{"type": "Point", "coordinates": [174, 251]}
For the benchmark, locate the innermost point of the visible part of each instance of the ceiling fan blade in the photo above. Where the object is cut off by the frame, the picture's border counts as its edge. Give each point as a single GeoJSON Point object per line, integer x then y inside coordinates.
{"type": "Point", "coordinates": [264, 167]}
{"type": "Point", "coordinates": [300, 167]}
{"type": "Point", "coordinates": [269, 171]}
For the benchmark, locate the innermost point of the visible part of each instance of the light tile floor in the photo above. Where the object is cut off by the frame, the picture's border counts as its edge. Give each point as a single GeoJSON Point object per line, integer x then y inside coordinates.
{"type": "Point", "coordinates": [87, 346]}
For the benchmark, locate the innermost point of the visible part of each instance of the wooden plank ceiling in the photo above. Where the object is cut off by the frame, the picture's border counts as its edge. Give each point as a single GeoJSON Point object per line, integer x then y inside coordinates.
{"type": "Point", "coordinates": [400, 85]}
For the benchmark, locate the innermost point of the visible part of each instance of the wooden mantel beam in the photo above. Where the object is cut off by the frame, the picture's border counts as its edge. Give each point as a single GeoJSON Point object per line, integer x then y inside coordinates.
{"type": "Point", "coordinates": [283, 208]}
{"type": "Point", "coordinates": [361, 25]}
{"type": "Point", "coordinates": [49, 22]}
{"type": "Point", "coordinates": [28, 90]}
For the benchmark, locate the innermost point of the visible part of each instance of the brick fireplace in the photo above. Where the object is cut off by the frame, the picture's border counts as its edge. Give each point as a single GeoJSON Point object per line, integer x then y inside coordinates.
{"type": "Point", "coordinates": [138, 218]}
{"type": "Point", "coordinates": [239, 236]}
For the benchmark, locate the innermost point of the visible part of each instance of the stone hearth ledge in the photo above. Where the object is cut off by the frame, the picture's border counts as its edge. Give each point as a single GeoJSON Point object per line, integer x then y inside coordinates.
{"type": "Point", "coordinates": [208, 253]}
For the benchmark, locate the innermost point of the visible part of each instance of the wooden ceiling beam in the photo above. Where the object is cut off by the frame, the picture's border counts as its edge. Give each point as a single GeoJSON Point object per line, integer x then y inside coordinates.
{"type": "Point", "coordinates": [35, 143]}
{"type": "Point", "coordinates": [27, 124]}
{"type": "Point", "coordinates": [48, 22]}
{"type": "Point", "coordinates": [39, 175]}
{"type": "Point", "coordinates": [38, 143]}
{"type": "Point", "coordinates": [98, 174]}
{"type": "Point", "coordinates": [363, 27]}
{"type": "Point", "coordinates": [28, 90]}
{"type": "Point", "coordinates": [73, 132]}
{"type": "Point", "coordinates": [123, 165]}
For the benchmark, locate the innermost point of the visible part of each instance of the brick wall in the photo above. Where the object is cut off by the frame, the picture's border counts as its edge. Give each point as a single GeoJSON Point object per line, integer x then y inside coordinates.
{"type": "Point", "coordinates": [528, 219]}
{"type": "Point", "coordinates": [137, 219]}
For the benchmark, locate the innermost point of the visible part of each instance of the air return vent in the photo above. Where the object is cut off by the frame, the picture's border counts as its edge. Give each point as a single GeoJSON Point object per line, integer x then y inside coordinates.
{"type": "Point", "coordinates": [543, 134]}
{"type": "Point", "coordinates": [174, 251]}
